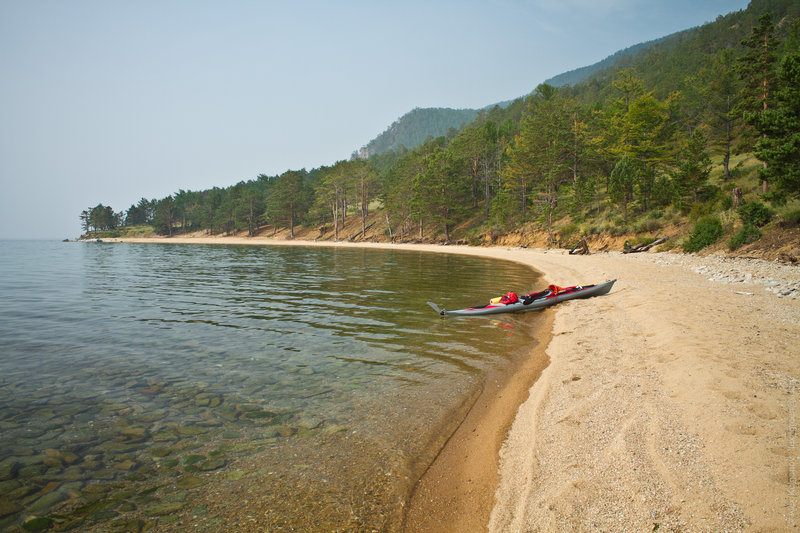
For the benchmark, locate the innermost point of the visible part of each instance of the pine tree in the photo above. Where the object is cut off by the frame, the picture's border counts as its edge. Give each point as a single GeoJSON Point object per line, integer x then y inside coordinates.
{"type": "Point", "coordinates": [694, 167]}
{"type": "Point", "coordinates": [722, 97]}
{"type": "Point", "coordinates": [779, 146]}
{"type": "Point", "coordinates": [757, 69]}
{"type": "Point", "coordinates": [443, 189]}
{"type": "Point", "coordinates": [621, 183]}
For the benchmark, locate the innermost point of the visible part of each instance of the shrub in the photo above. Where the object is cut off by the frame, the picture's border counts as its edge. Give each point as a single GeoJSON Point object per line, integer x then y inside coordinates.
{"type": "Point", "coordinates": [755, 214]}
{"type": "Point", "coordinates": [775, 198]}
{"type": "Point", "coordinates": [648, 226]}
{"type": "Point", "coordinates": [746, 234]}
{"type": "Point", "coordinates": [700, 210]}
{"type": "Point", "coordinates": [643, 240]}
{"type": "Point", "coordinates": [706, 231]}
{"type": "Point", "coordinates": [663, 191]}
{"type": "Point", "coordinates": [567, 233]}
{"type": "Point", "coordinates": [791, 219]}
{"type": "Point", "coordinates": [709, 193]}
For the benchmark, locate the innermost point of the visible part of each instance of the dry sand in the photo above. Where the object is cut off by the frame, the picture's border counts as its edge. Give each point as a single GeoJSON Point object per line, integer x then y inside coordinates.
{"type": "Point", "coordinates": [668, 405]}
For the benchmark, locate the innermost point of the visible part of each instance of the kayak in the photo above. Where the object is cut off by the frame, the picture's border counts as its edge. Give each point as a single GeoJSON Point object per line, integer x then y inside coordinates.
{"type": "Point", "coordinates": [539, 300]}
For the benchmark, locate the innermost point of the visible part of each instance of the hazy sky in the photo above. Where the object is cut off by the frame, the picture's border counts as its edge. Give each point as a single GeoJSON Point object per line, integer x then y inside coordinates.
{"type": "Point", "coordinates": [109, 101]}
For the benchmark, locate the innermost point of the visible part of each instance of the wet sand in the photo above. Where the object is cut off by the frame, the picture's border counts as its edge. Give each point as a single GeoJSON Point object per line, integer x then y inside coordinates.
{"type": "Point", "coordinates": [669, 404]}
{"type": "Point", "coordinates": [457, 491]}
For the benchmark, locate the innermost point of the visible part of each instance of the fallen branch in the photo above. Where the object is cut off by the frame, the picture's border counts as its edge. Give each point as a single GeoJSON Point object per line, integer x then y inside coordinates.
{"type": "Point", "coordinates": [582, 248]}
{"type": "Point", "coordinates": [357, 235]}
{"type": "Point", "coordinates": [628, 249]}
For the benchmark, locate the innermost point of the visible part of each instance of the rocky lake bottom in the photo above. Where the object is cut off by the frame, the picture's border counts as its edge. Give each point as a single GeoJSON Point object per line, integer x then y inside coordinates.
{"type": "Point", "coordinates": [168, 388]}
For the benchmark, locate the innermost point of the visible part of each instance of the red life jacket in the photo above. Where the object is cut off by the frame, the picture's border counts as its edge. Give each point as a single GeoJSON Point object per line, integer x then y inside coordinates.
{"type": "Point", "coordinates": [509, 298]}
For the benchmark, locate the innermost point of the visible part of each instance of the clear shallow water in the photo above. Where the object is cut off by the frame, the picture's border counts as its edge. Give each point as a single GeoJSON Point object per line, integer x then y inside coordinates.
{"type": "Point", "coordinates": [219, 387]}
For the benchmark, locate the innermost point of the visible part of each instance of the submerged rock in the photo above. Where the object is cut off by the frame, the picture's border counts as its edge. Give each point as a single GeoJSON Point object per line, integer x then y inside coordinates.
{"type": "Point", "coordinates": [165, 508]}
{"type": "Point", "coordinates": [188, 460]}
{"type": "Point", "coordinates": [8, 485]}
{"type": "Point", "coordinates": [212, 464]}
{"type": "Point", "coordinates": [37, 524]}
{"type": "Point", "coordinates": [235, 475]}
{"type": "Point", "coordinates": [9, 508]}
{"type": "Point", "coordinates": [8, 469]}
{"type": "Point", "coordinates": [190, 482]}
{"type": "Point", "coordinates": [43, 504]}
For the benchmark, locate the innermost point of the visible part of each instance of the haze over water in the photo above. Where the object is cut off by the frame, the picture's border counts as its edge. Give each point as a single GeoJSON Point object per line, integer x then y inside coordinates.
{"type": "Point", "coordinates": [214, 386]}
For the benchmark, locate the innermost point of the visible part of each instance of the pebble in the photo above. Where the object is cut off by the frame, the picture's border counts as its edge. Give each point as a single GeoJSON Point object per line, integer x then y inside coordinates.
{"type": "Point", "coordinates": [780, 279]}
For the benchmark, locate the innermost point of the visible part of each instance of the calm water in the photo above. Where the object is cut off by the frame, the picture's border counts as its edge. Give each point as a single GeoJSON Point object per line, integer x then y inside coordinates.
{"type": "Point", "coordinates": [234, 387]}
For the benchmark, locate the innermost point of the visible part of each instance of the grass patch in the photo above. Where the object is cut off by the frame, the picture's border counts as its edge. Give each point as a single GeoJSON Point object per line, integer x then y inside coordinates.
{"type": "Point", "coordinates": [121, 232]}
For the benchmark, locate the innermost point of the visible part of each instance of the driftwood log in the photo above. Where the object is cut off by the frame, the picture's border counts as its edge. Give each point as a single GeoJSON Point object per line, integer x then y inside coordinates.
{"type": "Point", "coordinates": [582, 248]}
{"type": "Point", "coordinates": [628, 249]}
{"type": "Point", "coordinates": [357, 235]}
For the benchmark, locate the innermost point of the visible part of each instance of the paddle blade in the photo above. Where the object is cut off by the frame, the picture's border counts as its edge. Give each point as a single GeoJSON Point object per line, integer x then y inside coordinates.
{"type": "Point", "coordinates": [436, 308]}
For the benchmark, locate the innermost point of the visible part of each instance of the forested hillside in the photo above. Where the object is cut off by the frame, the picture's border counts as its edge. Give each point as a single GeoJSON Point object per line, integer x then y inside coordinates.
{"type": "Point", "coordinates": [413, 128]}
{"type": "Point", "coordinates": [696, 136]}
{"type": "Point", "coordinates": [573, 77]}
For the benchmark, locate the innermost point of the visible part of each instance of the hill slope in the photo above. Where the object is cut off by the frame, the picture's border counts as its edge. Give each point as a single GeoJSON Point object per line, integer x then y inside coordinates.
{"type": "Point", "coordinates": [414, 127]}
{"type": "Point", "coordinates": [580, 74]}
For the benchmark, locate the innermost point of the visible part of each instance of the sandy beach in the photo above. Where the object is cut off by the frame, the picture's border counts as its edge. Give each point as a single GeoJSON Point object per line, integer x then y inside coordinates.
{"type": "Point", "coordinates": [669, 404]}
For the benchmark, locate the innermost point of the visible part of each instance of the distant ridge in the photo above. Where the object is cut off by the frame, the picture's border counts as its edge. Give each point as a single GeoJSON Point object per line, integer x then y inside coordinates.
{"type": "Point", "coordinates": [414, 127]}
{"type": "Point", "coordinates": [578, 75]}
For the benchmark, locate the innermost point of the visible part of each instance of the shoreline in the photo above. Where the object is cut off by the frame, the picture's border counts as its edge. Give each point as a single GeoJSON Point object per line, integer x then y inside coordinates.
{"type": "Point", "coordinates": [670, 402]}
{"type": "Point", "coordinates": [456, 492]}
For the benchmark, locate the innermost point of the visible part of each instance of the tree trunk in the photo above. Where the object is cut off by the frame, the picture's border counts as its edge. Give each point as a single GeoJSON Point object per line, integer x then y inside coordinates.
{"type": "Point", "coordinates": [335, 219]}
{"type": "Point", "coordinates": [389, 225]}
{"type": "Point", "coordinates": [364, 207]}
{"type": "Point", "coordinates": [726, 160]}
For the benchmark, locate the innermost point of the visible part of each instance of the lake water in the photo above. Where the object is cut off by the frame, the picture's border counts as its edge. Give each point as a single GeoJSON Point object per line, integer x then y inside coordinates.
{"type": "Point", "coordinates": [212, 388]}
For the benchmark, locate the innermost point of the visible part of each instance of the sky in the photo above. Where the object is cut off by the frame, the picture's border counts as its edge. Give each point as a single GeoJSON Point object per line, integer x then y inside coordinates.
{"type": "Point", "coordinates": [109, 101]}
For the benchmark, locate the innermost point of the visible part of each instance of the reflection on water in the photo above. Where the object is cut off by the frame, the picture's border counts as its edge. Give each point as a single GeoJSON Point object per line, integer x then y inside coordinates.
{"type": "Point", "coordinates": [216, 387]}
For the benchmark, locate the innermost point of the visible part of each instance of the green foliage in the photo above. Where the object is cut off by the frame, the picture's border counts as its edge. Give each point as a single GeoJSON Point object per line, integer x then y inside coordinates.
{"type": "Point", "coordinates": [623, 179]}
{"type": "Point", "coordinates": [568, 233]}
{"type": "Point", "coordinates": [775, 198]}
{"type": "Point", "coordinates": [746, 235]}
{"type": "Point", "coordinates": [141, 213]}
{"type": "Point", "coordinates": [779, 144]}
{"type": "Point", "coordinates": [693, 169]}
{"type": "Point", "coordinates": [698, 211]}
{"type": "Point", "coordinates": [705, 232]}
{"type": "Point", "coordinates": [663, 191]}
{"type": "Point", "coordinates": [648, 225]}
{"type": "Point", "coordinates": [290, 197]}
{"type": "Point", "coordinates": [757, 66]}
{"type": "Point", "coordinates": [165, 216]}
{"type": "Point", "coordinates": [99, 217]}
{"type": "Point", "coordinates": [413, 128]}
{"type": "Point", "coordinates": [791, 219]}
{"type": "Point", "coordinates": [441, 190]}
{"type": "Point", "coordinates": [755, 214]}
